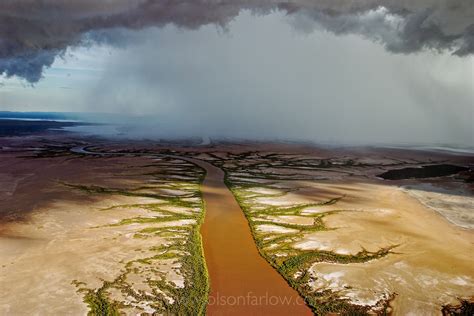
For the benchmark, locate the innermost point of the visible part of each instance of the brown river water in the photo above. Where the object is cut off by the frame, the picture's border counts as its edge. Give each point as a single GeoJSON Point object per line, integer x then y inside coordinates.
{"type": "Point", "coordinates": [242, 282]}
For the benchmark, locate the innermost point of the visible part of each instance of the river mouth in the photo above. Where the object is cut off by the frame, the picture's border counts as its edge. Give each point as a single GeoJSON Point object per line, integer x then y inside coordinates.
{"type": "Point", "coordinates": [429, 171]}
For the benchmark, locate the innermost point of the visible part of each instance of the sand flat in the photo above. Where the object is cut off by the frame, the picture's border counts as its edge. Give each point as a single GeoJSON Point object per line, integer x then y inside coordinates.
{"type": "Point", "coordinates": [431, 262]}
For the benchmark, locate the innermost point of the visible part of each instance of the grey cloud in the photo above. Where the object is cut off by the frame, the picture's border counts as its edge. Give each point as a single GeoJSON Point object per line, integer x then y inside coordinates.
{"type": "Point", "coordinates": [399, 34]}
{"type": "Point", "coordinates": [29, 66]}
{"type": "Point", "coordinates": [31, 32]}
{"type": "Point", "coordinates": [263, 81]}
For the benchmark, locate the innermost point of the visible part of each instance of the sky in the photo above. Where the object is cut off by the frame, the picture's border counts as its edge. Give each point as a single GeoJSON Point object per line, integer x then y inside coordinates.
{"type": "Point", "coordinates": [364, 72]}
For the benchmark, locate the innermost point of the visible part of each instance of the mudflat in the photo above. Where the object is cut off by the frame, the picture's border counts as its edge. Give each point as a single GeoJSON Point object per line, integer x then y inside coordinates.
{"type": "Point", "coordinates": [144, 230]}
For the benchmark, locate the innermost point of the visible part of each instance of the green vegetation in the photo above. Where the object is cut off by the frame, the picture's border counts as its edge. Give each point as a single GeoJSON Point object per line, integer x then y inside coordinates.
{"type": "Point", "coordinates": [174, 200]}
{"type": "Point", "coordinates": [305, 259]}
{"type": "Point", "coordinates": [181, 253]}
{"type": "Point", "coordinates": [99, 304]}
{"type": "Point", "coordinates": [278, 248]}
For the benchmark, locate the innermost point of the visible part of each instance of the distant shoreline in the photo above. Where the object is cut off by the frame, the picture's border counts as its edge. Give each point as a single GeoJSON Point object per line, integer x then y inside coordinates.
{"type": "Point", "coordinates": [21, 127]}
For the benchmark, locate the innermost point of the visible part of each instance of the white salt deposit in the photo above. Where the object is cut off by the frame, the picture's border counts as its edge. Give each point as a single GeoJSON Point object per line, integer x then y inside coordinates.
{"type": "Point", "coordinates": [275, 229]}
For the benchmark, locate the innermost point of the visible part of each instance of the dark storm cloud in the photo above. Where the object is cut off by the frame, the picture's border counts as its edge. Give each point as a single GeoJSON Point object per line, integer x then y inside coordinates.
{"type": "Point", "coordinates": [33, 32]}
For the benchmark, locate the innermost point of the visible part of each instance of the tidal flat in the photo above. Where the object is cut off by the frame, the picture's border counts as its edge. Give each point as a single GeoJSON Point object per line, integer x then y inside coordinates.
{"type": "Point", "coordinates": [156, 228]}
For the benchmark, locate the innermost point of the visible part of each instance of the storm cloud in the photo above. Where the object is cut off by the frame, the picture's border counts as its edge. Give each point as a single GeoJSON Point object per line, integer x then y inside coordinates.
{"type": "Point", "coordinates": [33, 33]}
{"type": "Point", "coordinates": [263, 80]}
{"type": "Point", "coordinates": [271, 76]}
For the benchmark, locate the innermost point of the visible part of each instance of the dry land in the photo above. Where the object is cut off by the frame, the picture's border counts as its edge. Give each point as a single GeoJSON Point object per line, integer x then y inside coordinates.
{"type": "Point", "coordinates": [350, 242]}
{"type": "Point", "coordinates": [99, 235]}
{"type": "Point", "coordinates": [120, 233]}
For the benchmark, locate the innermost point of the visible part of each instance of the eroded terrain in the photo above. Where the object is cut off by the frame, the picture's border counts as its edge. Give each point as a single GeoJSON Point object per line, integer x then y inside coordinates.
{"type": "Point", "coordinates": [350, 242]}
{"type": "Point", "coordinates": [99, 235]}
{"type": "Point", "coordinates": [119, 232]}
